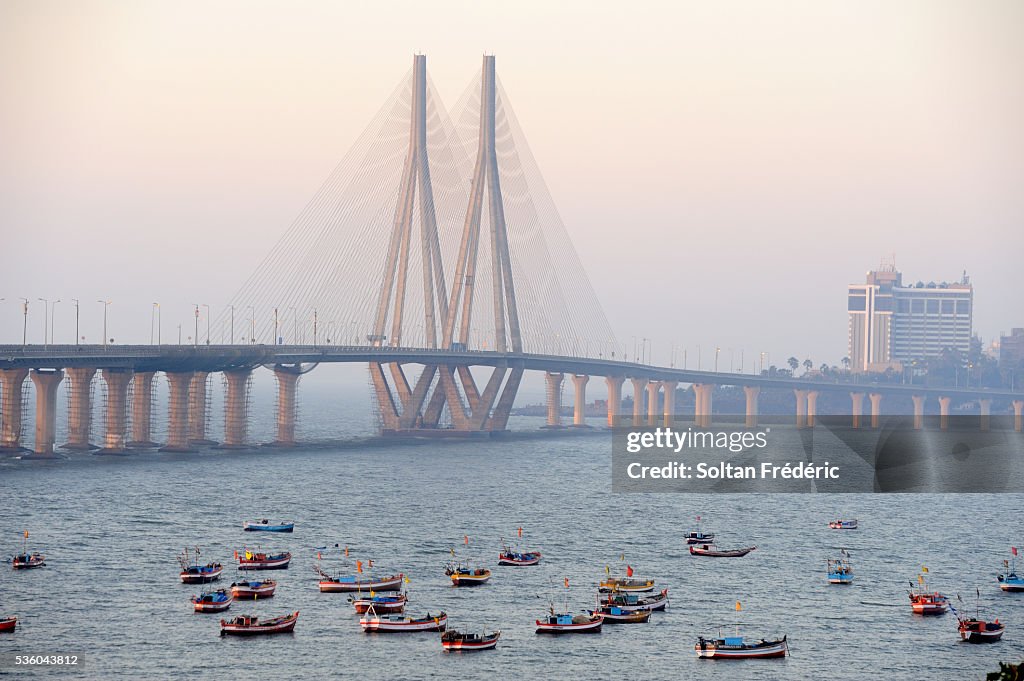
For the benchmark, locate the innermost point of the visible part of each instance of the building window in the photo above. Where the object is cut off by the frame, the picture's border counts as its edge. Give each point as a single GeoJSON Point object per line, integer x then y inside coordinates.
{"type": "Point", "coordinates": [933, 306]}
{"type": "Point", "coordinates": [917, 306]}
{"type": "Point", "coordinates": [963, 307]}
{"type": "Point", "coordinates": [857, 304]}
{"type": "Point", "coordinates": [947, 306]}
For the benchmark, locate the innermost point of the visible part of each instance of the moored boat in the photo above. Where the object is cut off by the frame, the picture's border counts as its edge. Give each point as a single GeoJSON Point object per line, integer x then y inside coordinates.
{"type": "Point", "coordinates": [840, 571]}
{"type": "Point", "coordinates": [698, 537]}
{"type": "Point", "coordinates": [194, 572]}
{"type": "Point", "coordinates": [251, 625]}
{"type": "Point", "coordinates": [516, 558]}
{"type": "Point", "coordinates": [212, 601]}
{"type": "Point", "coordinates": [1010, 580]}
{"type": "Point", "coordinates": [843, 525]}
{"type": "Point", "coordinates": [735, 648]}
{"type": "Point", "coordinates": [566, 623]}
{"type": "Point", "coordinates": [374, 621]}
{"type": "Point", "coordinates": [358, 582]}
{"type": "Point", "coordinates": [457, 641]}
{"type": "Point", "coordinates": [629, 583]}
{"type": "Point", "coordinates": [253, 589]}
{"type": "Point", "coordinates": [713, 551]}
{"type": "Point", "coordinates": [631, 602]}
{"type": "Point", "coordinates": [464, 575]}
{"type": "Point", "coordinates": [974, 629]}
{"type": "Point", "coordinates": [26, 561]}
{"type": "Point", "coordinates": [925, 602]}
{"type": "Point", "coordinates": [7, 624]}
{"type": "Point", "coordinates": [613, 614]}
{"type": "Point", "coordinates": [260, 560]}
{"type": "Point", "coordinates": [380, 603]}
{"type": "Point", "coordinates": [265, 525]}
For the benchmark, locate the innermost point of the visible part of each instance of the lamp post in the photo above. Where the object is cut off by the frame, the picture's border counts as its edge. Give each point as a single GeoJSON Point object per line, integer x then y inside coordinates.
{"type": "Point", "coordinates": [252, 324]}
{"type": "Point", "coordinates": [53, 316]}
{"type": "Point", "coordinates": [717, 350]}
{"type": "Point", "coordinates": [106, 304]}
{"type": "Point", "coordinates": [24, 324]}
{"type": "Point", "coordinates": [207, 323]}
{"type": "Point", "coordinates": [46, 322]}
{"type": "Point", "coordinates": [75, 301]}
{"type": "Point", "coordinates": [275, 327]}
{"type": "Point", "coordinates": [195, 338]}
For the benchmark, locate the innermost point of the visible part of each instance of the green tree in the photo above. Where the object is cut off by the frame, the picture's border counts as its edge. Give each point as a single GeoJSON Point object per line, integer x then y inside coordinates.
{"type": "Point", "coordinates": [793, 363]}
{"type": "Point", "coordinates": [808, 365]}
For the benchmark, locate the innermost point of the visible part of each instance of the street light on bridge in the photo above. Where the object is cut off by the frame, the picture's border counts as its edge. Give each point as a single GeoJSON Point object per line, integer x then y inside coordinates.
{"type": "Point", "coordinates": [24, 325]}
{"type": "Point", "coordinates": [717, 350]}
{"type": "Point", "coordinates": [75, 301]}
{"type": "Point", "coordinates": [195, 340]}
{"type": "Point", "coordinates": [207, 323]}
{"type": "Point", "coordinates": [106, 304]}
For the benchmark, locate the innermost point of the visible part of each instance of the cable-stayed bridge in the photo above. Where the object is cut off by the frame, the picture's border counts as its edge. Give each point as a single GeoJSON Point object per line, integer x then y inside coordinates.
{"type": "Point", "coordinates": [435, 254]}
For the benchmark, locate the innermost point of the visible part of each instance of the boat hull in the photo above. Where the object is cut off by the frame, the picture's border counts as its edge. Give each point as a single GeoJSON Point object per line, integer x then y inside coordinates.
{"type": "Point", "coordinates": [404, 625]}
{"type": "Point", "coordinates": [977, 636]}
{"type": "Point", "coordinates": [649, 604]}
{"type": "Point", "coordinates": [713, 652]}
{"type": "Point", "coordinates": [843, 525]}
{"type": "Point", "coordinates": [1013, 584]}
{"type": "Point", "coordinates": [929, 608]}
{"type": "Point", "coordinates": [591, 627]}
{"type": "Point", "coordinates": [255, 593]}
{"type": "Point", "coordinates": [7, 624]}
{"type": "Point", "coordinates": [260, 527]}
{"type": "Point", "coordinates": [613, 585]}
{"type": "Point", "coordinates": [458, 646]}
{"type": "Point", "coordinates": [634, 617]}
{"type": "Point", "coordinates": [269, 564]}
{"type": "Point", "coordinates": [717, 553]}
{"type": "Point", "coordinates": [389, 584]}
{"type": "Point", "coordinates": [514, 562]}
{"type": "Point", "coordinates": [285, 626]}
{"type": "Point", "coordinates": [201, 577]}
{"type": "Point", "coordinates": [208, 606]}
{"type": "Point", "coordinates": [463, 579]}
{"type": "Point", "coordinates": [364, 605]}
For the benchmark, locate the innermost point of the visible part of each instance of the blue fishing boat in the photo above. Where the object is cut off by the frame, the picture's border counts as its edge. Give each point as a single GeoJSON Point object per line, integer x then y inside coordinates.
{"type": "Point", "coordinates": [840, 571]}
{"type": "Point", "coordinates": [212, 601]}
{"type": "Point", "coordinates": [1011, 581]}
{"type": "Point", "coordinates": [266, 526]}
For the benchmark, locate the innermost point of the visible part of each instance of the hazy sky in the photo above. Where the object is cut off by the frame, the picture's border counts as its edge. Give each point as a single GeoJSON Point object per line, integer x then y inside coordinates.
{"type": "Point", "coordinates": [725, 169]}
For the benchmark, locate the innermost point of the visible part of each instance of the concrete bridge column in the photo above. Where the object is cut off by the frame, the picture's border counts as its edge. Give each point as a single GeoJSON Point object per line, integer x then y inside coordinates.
{"type": "Point", "coordinates": [80, 408]}
{"type": "Point", "coordinates": [178, 383]}
{"type": "Point", "coordinates": [703, 406]}
{"type": "Point", "coordinates": [801, 408]}
{"type": "Point", "coordinates": [752, 392]}
{"type": "Point", "coordinates": [236, 408]}
{"type": "Point", "coordinates": [812, 407]}
{"type": "Point", "coordinates": [614, 384]}
{"type": "Point", "coordinates": [13, 391]}
{"type": "Point", "coordinates": [554, 390]}
{"type": "Point", "coordinates": [918, 411]}
{"type": "Point", "coordinates": [639, 384]}
{"type": "Point", "coordinates": [986, 409]}
{"type": "Point", "coordinates": [876, 408]}
{"type": "Point", "coordinates": [858, 408]}
{"type": "Point", "coordinates": [116, 420]}
{"type": "Point", "coordinates": [943, 413]}
{"type": "Point", "coordinates": [287, 404]}
{"type": "Point", "coordinates": [669, 411]}
{"type": "Point", "coordinates": [1018, 415]}
{"type": "Point", "coordinates": [46, 410]}
{"type": "Point", "coordinates": [652, 403]}
{"type": "Point", "coordinates": [142, 410]}
{"type": "Point", "coordinates": [579, 412]}
{"type": "Point", "coordinates": [197, 409]}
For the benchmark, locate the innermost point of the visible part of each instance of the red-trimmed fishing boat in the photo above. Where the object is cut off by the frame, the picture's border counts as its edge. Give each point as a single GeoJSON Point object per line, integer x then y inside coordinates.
{"type": "Point", "coordinates": [613, 614]}
{"type": "Point", "coordinates": [515, 558]}
{"type": "Point", "coordinates": [358, 582]}
{"type": "Point", "coordinates": [7, 624]}
{"type": "Point", "coordinates": [631, 602]}
{"type": "Point", "coordinates": [212, 601]}
{"type": "Point", "coordinates": [734, 648]}
{"type": "Point", "coordinates": [258, 560]}
{"type": "Point", "coordinates": [978, 631]}
{"type": "Point", "coordinates": [26, 561]}
{"type": "Point", "coordinates": [464, 575]}
{"type": "Point", "coordinates": [253, 589]}
{"type": "Point", "coordinates": [192, 572]}
{"type": "Point", "coordinates": [713, 551]}
{"type": "Point", "coordinates": [843, 525]}
{"type": "Point", "coordinates": [456, 641]}
{"type": "Point", "coordinates": [566, 623]}
{"type": "Point", "coordinates": [932, 603]}
{"type": "Point", "coordinates": [250, 625]}
{"type": "Point", "coordinates": [373, 622]}
{"type": "Point", "coordinates": [380, 603]}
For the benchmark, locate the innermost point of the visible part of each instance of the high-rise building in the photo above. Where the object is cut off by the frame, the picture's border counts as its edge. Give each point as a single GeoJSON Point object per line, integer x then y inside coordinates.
{"type": "Point", "coordinates": [1011, 350]}
{"type": "Point", "coordinates": [891, 323]}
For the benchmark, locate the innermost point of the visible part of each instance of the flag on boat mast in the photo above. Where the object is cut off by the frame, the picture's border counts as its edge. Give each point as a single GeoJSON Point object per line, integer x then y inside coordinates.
{"type": "Point", "coordinates": [607, 570]}
{"type": "Point", "coordinates": [346, 552]}
{"type": "Point", "coordinates": [738, 606]}
{"type": "Point", "coordinates": [629, 570]}
{"type": "Point", "coordinates": [521, 533]}
{"type": "Point", "coordinates": [924, 569]}
{"type": "Point", "coordinates": [359, 566]}
{"type": "Point", "coordinates": [1013, 549]}
{"type": "Point", "coordinates": [26, 537]}
{"type": "Point", "coordinates": [566, 582]}
{"type": "Point", "coordinates": [465, 539]}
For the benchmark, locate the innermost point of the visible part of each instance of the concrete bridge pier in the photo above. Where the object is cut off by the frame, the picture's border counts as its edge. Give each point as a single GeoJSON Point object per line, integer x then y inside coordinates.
{"type": "Point", "coordinates": [752, 392]}
{"type": "Point", "coordinates": [46, 383]}
{"type": "Point", "coordinates": [801, 408]}
{"type": "Point", "coordinates": [986, 410]}
{"type": "Point", "coordinates": [579, 412]}
{"type": "Point", "coordinates": [178, 383]}
{"type": "Point", "coordinates": [812, 407]}
{"type": "Point", "coordinates": [652, 402]}
{"type": "Point", "coordinates": [614, 384]}
{"type": "Point", "coordinates": [943, 413]}
{"type": "Point", "coordinates": [918, 411]}
{"type": "Point", "coordinates": [876, 408]}
{"type": "Point", "coordinates": [858, 408]}
{"type": "Point", "coordinates": [142, 410]}
{"type": "Point", "coordinates": [639, 385]}
{"type": "Point", "coordinates": [287, 404]}
{"type": "Point", "coordinates": [13, 391]}
{"type": "Point", "coordinates": [554, 395]}
{"type": "Point", "coordinates": [80, 408]}
{"type": "Point", "coordinates": [1018, 415]}
{"type": "Point", "coordinates": [669, 410]}
{"type": "Point", "coordinates": [236, 408]}
{"type": "Point", "coordinates": [703, 406]}
{"type": "Point", "coordinates": [116, 417]}
{"type": "Point", "coordinates": [198, 410]}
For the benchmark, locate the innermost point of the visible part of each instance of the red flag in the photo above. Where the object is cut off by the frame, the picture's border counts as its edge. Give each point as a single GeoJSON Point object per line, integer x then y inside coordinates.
{"type": "Point", "coordinates": [318, 556]}
{"type": "Point", "coordinates": [520, 533]}
{"type": "Point", "coordinates": [1013, 550]}
{"type": "Point", "coordinates": [371, 562]}
{"type": "Point", "coordinates": [698, 519]}
{"type": "Point", "coordinates": [236, 554]}
{"type": "Point", "coordinates": [566, 582]}
{"type": "Point", "coordinates": [629, 570]}
{"type": "Point", "coordinates": [359, 566]}
{"type": "Point", "coordinates": [465, 539]}
{"type": "Point", "coordinates": [346, 552]}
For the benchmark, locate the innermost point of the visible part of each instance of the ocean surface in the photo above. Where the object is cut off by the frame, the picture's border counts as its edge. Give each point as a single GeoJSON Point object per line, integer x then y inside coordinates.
{"type": "Point", "coordinates": [111, 528]}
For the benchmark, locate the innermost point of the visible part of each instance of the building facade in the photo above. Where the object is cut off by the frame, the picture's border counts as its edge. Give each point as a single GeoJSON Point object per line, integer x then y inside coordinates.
{"type": "Point", "coordinates": [891, 324]}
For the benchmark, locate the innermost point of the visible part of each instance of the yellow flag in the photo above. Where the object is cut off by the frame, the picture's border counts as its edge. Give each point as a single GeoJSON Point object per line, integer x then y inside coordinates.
{"type": "Point", "coordinates": [622, 557]}
{"type": "Point", "coordinates": [920, 579]}
{"type": "Point", "coordinates": [607, 570]}
{"type": "Point", "coordinates": [372, 594]}
{"type": "Point", "coordinates": [738, 606]}
{"type": "Point", "coordinates": [924, 569]}
{"type": "Point", "coordinates": [406, 580]}
{"type": "Point", "coordinates": [26, 534]}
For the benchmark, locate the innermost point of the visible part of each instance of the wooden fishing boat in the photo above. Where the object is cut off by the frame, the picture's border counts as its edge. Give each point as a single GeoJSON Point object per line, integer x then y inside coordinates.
{"type": "Point", "coordinates": [464, 575]}
{"type": "Point", "coordinates": [566, 623]}
{"type": "Point", "coordinates": [250, 625]}
{"type": "Point", "coordinates": [978, 631]}
{"type": "Point", "coordinates": [840, 571]}
{"type": "Point", "coordinates": [7, 624]}
{"type": "Point", "coordinates": [456, 641]}
{"type": "Point", "coordinates": [928, 603]}
{"type": "Point", "coordinates": [27, 561]}
{"type": "Point", "coordinates": [516, 558]}
{"type": "Point", "coordinates": [631, 602]}
{"type": "Point", "coordinates": [713, 551]}
{"type": "Point", "coordinates": [212, 601]}
{"type": "Point", "coordinates": [266, 526]}
{"type": "Point", "coordinates": [259, 560]}
{"type": "Point", "coordinates": [634, 585]}
{"type": "Point", "coordinates": [374, 622]}
{"type": "Point", "coordinates": [735, 648]}
{"type": "Point", "coordinates": [358, 582]}
{"type": "Point", "coordinates": [698, 537]}
{"type": "Point", "coordinates": [1010, 580]}
{"type": "Point", "coordinates": [380, 603]}
{"type": "Point", "coordinates": [843, 525]}
{"type": "Point", "coordinates": [253, 589]}
{"type": "Point", "coordinates": [193, 572]}
{"type": "Point", "coordinates": [613, 614]}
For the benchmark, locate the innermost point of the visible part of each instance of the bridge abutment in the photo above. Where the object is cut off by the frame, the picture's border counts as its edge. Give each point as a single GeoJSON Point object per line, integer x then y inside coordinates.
{"type": "Point", "coordinates": [287, 404]}
{"type": "Point", "coordinates": [876, 408]}
{"type": "Point", "coordinates": [652, 402]}
{"type": "Point", "coordinates": [236, 408]}
{"type": "Point", "coordinates": [46, 383]}
{"type": "Point", "coordinates": [579, 411]}
{"type": "Point", "coordinates": [857, 410]}
{"type": "Point", "coordinates": [752, 392]}
{"type": "Point", "coordinates": [801, 407]}
{"type": "Point", "coordinates": [614, 384]}
{"type": "Point", "coordinates": [553, 383]}
{"type": "Point", "coordinates": [13, 388]}
{"type": "Point", "coordinates": [80, 408]}
{"type": "Point", "coordinates": [116, 413]}
{"type": "Point", "coordinates": [669, 404]}
{"type": "Point", "coordinates": [142, 410]}
{"type": "Point", "coordinates": [944, 413]}
{"type": "Point", "coordinates": [812, 407]}
{"type": "Point", "coordinates": [639, 386]}
{"type": "Point", "coordinates": [703, 405]}
{"type": "Point", "coordinates": [178, 383]}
